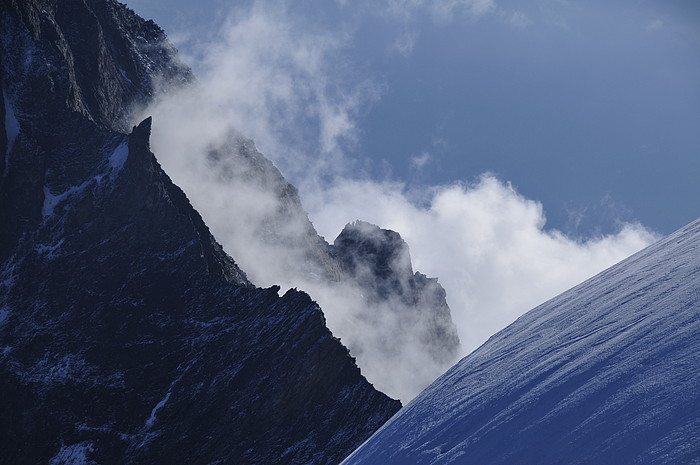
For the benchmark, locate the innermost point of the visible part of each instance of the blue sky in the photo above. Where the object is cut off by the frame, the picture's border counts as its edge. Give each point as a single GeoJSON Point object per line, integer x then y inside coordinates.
{"type": "Point", "coordinates": [591, 108]}
{"type": "Point", "coordinates": [518, 148]}
{"type": "Point", "coordinates": [598, 120]}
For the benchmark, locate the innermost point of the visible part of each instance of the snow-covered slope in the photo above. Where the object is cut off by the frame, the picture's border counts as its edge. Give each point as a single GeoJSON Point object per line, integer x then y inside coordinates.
{"type": "Point", "coordinates": [607, 372]}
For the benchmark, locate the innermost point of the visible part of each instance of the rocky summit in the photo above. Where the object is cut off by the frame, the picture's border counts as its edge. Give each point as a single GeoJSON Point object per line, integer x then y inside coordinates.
{"type": "Point", "coordinates": [379, 261]}
{"type": "Point", "coordinates": [127, 334]}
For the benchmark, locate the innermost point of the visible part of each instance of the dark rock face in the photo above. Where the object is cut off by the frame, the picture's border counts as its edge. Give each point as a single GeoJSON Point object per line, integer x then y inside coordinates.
{"type": "Point", "coordinates": [127, 335]}
{"type": "Point", "coordinates": [380, 262]}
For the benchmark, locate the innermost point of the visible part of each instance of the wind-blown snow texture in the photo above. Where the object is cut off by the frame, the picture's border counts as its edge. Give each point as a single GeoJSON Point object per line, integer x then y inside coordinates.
{"type": "Point", "coordinates": [127, 335]}
{"type": "Point", "coordinates": [607, 372]}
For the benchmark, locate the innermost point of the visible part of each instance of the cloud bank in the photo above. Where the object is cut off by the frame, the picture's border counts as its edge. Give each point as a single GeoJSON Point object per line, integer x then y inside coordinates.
{"type": "Point", "coordinates": [271, 76]}
{"type": "Point", "coordinates": [486, 243]}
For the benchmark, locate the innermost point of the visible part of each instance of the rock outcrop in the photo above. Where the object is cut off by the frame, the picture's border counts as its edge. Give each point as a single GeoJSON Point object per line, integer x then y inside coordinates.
{"type": "Point", "coordinates": [379, 261]}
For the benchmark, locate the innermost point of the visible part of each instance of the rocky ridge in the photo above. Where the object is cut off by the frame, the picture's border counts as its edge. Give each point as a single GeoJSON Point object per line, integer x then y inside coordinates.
{"type": "Point", "coordinates": [127, 335]}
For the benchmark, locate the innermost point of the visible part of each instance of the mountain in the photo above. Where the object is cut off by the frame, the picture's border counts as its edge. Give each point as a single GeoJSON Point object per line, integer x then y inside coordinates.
{"type": "Point", "coordinates": [379, 261]}
{"type": "Point", "coordinates": [395, 321]}
{"type": "Point", "coordinates": [127, 334]}
{"type": "Point", "coordinates": [607, 372]}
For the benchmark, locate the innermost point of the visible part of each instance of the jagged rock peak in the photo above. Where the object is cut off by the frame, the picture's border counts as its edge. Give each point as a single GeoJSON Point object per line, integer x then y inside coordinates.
{"type": "Point", "coordinates": [97, 58]}
{"type": "Point", "coordinates": [366, 277]}
{"type": "Point", "coordinates": [382, 250]}
{"type": "Point", "coordinates": [142, 132]}
{"type": "Point", "coordinates": [144, 127]}
{"type": "Point", "coordinates": [380, 262]}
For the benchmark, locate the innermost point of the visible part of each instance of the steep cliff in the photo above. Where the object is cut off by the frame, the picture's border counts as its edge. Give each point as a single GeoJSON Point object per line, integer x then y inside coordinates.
{"type": "Point", "coordinates": [127, 335]}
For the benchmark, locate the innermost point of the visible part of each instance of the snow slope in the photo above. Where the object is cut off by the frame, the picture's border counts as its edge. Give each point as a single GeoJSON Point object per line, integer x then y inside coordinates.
{"type": "Point", "coordinates": [607, 372]}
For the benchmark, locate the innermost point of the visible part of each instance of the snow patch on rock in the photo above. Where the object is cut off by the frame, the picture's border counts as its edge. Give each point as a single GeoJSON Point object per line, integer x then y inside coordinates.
{"type": "Point", "coordinates": [75, 454]}
{"type": "Point", "coordinates": [7, 274]}
{"type": "Point", "coordinates": [51, 201]}
{"type": "Point", "coordinates": [116, 162]}
{"type": "Point", "coordinates": [126, 78]}
{"type": "Point", "coordinates": [118, 158]}
{"type": "Point", "coordinates": [50, 250]}
{"type": "Point", "coordinates": [152, 418]}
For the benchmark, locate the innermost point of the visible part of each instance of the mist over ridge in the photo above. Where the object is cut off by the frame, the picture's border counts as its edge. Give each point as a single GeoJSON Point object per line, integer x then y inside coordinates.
{"type": "Point", "coordinates": [269, 77]}
{"type": "Point", "coordinates": [169, 294]}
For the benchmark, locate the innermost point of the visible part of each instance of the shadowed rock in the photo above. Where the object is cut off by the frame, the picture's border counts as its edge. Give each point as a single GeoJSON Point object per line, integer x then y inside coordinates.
{"type": "Point", "coordinates": [127, 335]}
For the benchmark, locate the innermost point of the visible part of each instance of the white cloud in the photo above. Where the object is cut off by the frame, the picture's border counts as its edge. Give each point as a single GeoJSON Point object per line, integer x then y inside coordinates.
{"type": "Point", "coordinates": [272, 77]}
{"type": "Point", "coordinates": [421, 160]}
{"type": "Point", "coordinates": [485, 242]}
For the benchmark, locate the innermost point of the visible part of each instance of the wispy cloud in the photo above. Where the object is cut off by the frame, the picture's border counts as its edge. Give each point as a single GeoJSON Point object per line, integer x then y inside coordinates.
{"type": "Point", "coordinates": [405, 42]}
{"type": "Point", "coordinates": [273, 78]}
{"type": "Point", "coordinates": [654, 25]}
{"type": "Point", "coordinates": [518, 19]}
{"type": "Point", "coordinates": [421, 160]}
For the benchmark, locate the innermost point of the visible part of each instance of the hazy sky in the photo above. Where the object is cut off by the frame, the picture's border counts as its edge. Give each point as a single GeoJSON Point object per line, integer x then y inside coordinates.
{"type": "Point", "coordinates": [590, 107]}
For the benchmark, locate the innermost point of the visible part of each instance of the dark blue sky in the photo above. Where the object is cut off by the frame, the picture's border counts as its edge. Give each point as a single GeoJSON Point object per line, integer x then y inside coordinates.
{"type": "Point", "coordinates": [593, 109]}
